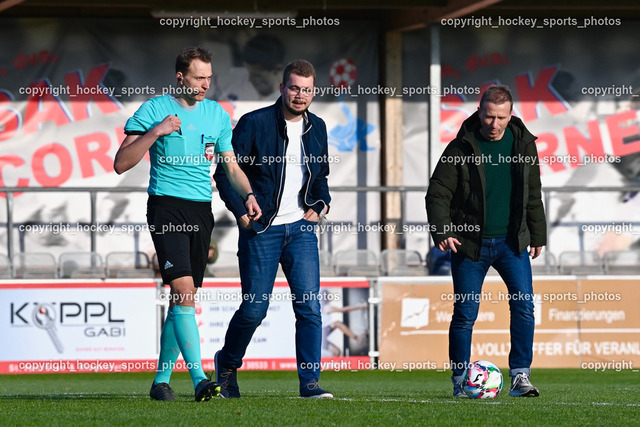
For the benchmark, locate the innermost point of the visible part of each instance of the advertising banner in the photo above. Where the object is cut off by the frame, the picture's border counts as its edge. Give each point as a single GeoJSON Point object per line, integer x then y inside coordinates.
{"type": "Point", "coordinates": [582, 107]}
{"type": "Point", "coordinates": [115, 326]}
{"type": "Point", "coordinates": [579, 323]}
{"type": "Point", "coordinates": [78, 326]}
{"type": "Point", "coordinates": [68, 86]}
{"type": "Point", "coordinates": [345, 326]}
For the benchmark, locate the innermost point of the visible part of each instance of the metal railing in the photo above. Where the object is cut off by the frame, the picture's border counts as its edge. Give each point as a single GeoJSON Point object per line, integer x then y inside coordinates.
{"type": "Point", "coordinates": [92, 191]}
{"type": "Point", "coordinates": [9, 193]}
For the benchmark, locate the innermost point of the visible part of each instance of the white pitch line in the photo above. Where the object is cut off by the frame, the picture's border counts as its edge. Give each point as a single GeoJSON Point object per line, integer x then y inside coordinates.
{"type": "Point", "coordinates": [537, 331]}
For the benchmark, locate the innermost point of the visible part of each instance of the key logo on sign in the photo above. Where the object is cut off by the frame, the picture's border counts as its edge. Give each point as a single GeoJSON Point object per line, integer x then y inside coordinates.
{"type": "Point", "coordinates": [44, 318]}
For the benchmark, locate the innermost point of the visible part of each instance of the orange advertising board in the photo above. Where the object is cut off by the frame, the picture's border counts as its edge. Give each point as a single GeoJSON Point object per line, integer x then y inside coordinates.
{"type": "Point", "coordinates": [587, 323]}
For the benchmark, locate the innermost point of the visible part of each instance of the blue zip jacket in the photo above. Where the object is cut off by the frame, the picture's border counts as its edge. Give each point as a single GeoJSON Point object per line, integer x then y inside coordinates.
{"type": "Point", "coordinates": [260, 144]}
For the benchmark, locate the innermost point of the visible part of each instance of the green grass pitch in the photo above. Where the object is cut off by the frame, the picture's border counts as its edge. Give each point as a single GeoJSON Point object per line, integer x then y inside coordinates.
{"type": "Point", "coordinates": [567, 397]}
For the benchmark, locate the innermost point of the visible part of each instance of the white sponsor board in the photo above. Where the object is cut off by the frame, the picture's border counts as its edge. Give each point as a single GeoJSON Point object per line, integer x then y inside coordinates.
{"type": "Point", "coordinates": [77, 326]}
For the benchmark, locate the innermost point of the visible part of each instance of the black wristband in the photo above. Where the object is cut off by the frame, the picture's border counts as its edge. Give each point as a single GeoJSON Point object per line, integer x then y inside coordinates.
{"type": "Point", "coordinates": [247, 196]}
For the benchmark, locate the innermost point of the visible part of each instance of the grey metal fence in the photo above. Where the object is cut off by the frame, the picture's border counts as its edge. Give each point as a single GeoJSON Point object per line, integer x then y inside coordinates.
{"type": "Point", "coordinates": [10, 199]}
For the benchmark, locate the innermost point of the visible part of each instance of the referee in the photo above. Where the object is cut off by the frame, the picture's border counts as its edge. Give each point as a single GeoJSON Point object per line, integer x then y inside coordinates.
{"type": "Point", "coordinates": [183, 134]}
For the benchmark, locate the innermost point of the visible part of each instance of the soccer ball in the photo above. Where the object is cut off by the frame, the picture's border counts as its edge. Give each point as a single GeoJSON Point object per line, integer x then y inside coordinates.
{"type": "Point", "coordinates": [482, 380]}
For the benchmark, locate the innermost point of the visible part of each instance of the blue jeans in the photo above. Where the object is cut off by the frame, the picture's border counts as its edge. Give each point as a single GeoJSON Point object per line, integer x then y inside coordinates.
{"type": "Point", "coordinates": [468, 276]}
{"type": "Point", "coordinates": [295, 247]}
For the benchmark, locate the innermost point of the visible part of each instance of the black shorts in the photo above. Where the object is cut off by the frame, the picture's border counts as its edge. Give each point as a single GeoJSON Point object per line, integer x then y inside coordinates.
{"type": "Point", "coordinates": [181, 232]}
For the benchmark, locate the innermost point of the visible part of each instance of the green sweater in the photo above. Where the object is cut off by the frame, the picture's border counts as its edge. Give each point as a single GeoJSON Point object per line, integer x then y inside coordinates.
{"type": "Point", "coordinates": [455, 199]}
{"type": "Point", "coordinates": [497, 171]}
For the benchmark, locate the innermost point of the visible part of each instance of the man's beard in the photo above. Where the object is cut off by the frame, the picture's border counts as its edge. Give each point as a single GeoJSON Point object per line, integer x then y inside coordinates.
{"type": "Point", "coordinates": [294, 112]}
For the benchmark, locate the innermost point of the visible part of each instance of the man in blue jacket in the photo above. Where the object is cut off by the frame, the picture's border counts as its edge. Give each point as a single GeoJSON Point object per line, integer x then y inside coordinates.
{"type": "Point", "coordinates": [284, 153]}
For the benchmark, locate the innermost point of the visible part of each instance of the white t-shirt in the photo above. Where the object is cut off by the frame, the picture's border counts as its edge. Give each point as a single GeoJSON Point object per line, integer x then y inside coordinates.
{"type": "Point", "coordinates": [291, 209]}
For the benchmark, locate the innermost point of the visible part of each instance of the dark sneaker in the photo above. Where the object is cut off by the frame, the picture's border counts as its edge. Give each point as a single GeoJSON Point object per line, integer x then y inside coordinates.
{"type": "Point", "coordinates": [227, 378]}
{"type": "Point", "coordinates": [206, 389]}
{"type": "Point", "coordinates": [458, 392]}
{"type": "Point", "coordinates": [314, 391]}
{"type": "Point", "coordinates": [522, 387]}
{"type": "Point", "coordinates": [161, 391]}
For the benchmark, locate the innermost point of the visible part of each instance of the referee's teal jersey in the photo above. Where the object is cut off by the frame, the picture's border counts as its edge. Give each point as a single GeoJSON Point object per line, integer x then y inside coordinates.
{"type": "Point", "coordinates": [181, 161]}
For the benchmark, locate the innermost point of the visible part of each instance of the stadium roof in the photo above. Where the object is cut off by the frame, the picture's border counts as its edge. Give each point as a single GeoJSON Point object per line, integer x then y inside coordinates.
{"type": "Point", "coordinates": [391, 15]}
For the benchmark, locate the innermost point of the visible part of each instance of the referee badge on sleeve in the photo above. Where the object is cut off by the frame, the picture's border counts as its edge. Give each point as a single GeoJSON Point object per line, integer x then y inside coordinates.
{"type": "Point", "coordinates": [209, 147]}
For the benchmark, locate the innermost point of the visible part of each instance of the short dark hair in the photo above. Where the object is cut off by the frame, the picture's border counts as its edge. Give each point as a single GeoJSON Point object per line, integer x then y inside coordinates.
{"type": "Point", "coordinates": [186, 56]}
{"type": "Point", "coordinates": [497, 94]}
{"type": "Point", "coordinates": [299, 67]}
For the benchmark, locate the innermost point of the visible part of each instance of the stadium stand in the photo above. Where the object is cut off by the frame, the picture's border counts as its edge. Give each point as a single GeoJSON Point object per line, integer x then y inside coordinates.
{"type": "Point", "coordinates": [131, 264]}
{"type": "Point", "coordinates": [546, 263]}
{"type": "Point", "coordinates": [327, 269]}
{"type": "Point", "coordinates": [581, 263]}
{"type": "Point", "coordinates": [622, 262]}
{"type": "Point", "coordinates": [225, 266]}
{"type": "Point", "coordinates": [34, 265]}
{"type": "Point", "coordinates": [402, 262]}
{"type": "Point", "coordinates": [359, 262]}
{"type": "Point", "coordinates": [81, 265]}
{"type": "Point", "coordinates": [5, 267]}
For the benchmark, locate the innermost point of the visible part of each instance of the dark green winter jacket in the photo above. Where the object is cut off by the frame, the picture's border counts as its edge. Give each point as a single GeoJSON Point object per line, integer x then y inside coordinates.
{"type": "Point", "coordinates": [456, 196]}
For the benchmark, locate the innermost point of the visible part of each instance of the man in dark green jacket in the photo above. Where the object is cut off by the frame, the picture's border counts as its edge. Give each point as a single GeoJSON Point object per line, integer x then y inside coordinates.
{"type": "Point", "coordinates": [484, 204]}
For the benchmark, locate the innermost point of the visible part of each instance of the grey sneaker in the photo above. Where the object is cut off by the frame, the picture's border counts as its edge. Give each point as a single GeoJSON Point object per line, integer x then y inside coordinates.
{"type": "Point", "coordinates": [162, 392]}
{"type": "Point", "coordinates": [457, 390]}
{"type": "Point", "coordinates": [227, 378]}
{"type": "Point", "coordinates": [522, 387]}
{"type": "Point", "coordinates": [314, 391]}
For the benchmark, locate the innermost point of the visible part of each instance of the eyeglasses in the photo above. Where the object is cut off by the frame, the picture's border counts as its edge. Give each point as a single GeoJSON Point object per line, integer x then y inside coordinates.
{"type": "Point", "coordinates": [304, 91]}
